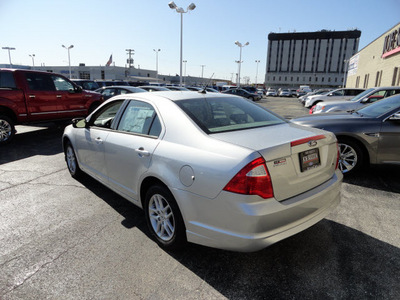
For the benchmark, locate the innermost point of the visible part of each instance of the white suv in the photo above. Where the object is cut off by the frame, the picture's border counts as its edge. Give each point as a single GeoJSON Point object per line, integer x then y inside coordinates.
{"type": "Point", "coordinates": [339, 94]}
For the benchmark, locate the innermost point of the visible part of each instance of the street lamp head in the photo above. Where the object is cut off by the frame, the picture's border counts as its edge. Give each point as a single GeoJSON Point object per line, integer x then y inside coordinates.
{"type": "Point", "coordinates": [172, 5]}
{"type": "Point", "coordinates": [237, 43]}
{"type": "Point", "coordinates": [192, 6]}
{"type": "Point", "coordinates": [246, 44]}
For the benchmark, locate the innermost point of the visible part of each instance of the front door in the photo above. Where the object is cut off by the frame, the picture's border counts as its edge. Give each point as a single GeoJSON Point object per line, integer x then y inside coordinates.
{"type": "Point", "coordinates": [389, 142]}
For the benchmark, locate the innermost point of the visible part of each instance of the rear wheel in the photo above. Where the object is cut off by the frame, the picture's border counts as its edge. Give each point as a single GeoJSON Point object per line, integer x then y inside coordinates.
{"type": "Point", "coordinates": [7, 129]}
{"type": "Point", "coordinates": [351, 156]}
{"type": "Point", "coordinates": [164, 218]}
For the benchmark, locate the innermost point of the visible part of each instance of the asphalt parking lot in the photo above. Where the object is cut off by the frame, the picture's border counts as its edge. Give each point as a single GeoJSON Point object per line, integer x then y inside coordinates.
{"type": "Point", "coordinates": [67, 239]}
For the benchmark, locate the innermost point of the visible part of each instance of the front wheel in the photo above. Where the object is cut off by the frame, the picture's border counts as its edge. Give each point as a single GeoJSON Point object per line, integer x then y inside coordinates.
{"type": "Point", "coordinates": [7, 129]}
{"type": "Point", "coordinates": [72, 162]}
{"type": "Point", "coordinates": [351, 156]}
{"type": "Point", "coordinates": [164, 219]}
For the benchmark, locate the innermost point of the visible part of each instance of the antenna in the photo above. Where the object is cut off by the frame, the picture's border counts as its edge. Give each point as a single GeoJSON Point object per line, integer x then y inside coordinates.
{"type": "Point", "coordinates": [204, 90]}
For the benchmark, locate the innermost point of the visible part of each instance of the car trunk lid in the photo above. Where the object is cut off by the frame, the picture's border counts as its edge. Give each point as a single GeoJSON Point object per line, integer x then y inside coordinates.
{"type": "Point", "coordinates": [298, 158]}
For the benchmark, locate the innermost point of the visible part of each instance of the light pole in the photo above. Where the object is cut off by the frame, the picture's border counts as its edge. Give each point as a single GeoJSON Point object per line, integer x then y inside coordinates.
{"type": "Point", "coordinates": [240, 58]}
{"type": "Point", "coordinates": [344, 72]}
{"type": "Point", "coordinates": [33, 59]}
{"type": "Point", "coordinates": [69, 58]}
{"type": "Point", "coordinates": [202, 70]}
{"type": "Point", "coordinates": [156, 51]}
{"type": "Point", "coordinates": [185, 61]}
{"type": "Point", "coordinates": [257, 62]}
{"type": "Point", "coordinates": [9, 55]}
{"type": "Point", "coordinates": [180, 10]}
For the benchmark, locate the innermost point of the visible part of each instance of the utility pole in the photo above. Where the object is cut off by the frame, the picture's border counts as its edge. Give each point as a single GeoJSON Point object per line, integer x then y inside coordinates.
{"type": "Point", "coordinates": [130, 59]}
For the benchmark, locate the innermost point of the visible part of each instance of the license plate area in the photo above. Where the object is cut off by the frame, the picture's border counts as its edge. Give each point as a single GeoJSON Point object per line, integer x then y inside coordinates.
{"type": "Point", "coordinates": [309, 159]}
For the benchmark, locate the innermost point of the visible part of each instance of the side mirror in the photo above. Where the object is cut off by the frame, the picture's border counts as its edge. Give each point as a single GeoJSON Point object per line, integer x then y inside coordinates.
{"type": "Point", "coordinates": [79, 123]}
{"type": "Point", "coordinates": [77, 89]}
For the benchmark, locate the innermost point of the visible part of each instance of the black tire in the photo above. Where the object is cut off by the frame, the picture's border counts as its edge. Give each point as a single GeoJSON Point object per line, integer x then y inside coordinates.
{"type": "Point", "coordinates": [7, 129]}
{"type": "Point", "coordinates": [351, 157]}
{"type": "Point", "coordinates": [72, 162]}
{"type": "Point", "coordinates": [164, 218]}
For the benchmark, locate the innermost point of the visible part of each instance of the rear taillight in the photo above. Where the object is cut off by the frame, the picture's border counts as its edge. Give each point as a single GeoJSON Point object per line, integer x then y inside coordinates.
{"type": "Point", "coordinates": [253, 179]}
{"type": "Point", "coordinates": [338, 156]}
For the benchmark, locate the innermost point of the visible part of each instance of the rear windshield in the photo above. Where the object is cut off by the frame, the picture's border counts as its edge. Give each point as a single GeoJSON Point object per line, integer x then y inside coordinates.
{"type": "Point", "coordinates": [215, 115]}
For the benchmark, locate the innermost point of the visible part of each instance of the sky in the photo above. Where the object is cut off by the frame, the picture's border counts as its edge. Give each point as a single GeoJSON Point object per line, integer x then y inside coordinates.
{"type": "Point", "coordinates": [101, 28]}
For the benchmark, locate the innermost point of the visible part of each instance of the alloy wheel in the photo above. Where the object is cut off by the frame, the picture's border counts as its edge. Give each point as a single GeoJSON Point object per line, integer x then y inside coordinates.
{"type": "Point", "coordinates": [348, 158]}
{"type": "Point", "coordinates": [161, 217]}
{"type": "Point", "coordinates": [5, 130]}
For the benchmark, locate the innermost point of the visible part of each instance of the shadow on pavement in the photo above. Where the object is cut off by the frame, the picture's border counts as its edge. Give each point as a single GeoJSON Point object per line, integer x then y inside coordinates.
{"type": "Point", "coordinates": [329, 260]}
{"type": "Point", "coordinates": [385, 178]}
{"type": "Point", "coordinates": [46, 141]}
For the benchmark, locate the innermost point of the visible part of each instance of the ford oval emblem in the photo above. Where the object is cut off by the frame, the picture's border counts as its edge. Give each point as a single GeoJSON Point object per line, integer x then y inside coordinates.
{"type": "Point", "coordinates": [312, 143]}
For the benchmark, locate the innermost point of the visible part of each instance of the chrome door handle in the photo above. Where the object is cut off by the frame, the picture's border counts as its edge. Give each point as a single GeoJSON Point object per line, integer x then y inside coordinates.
{"type": "Point", "coordinates": [142, 152]}
{"type": "Point", "coordinates": [58, 96]}
{"type": "Point", "coordinates": [32, 96]}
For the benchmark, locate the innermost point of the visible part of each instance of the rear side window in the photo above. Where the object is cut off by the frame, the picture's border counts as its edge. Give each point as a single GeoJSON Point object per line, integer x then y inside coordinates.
{"type": "Point", "coordinates": [40, 82]}
{"type": "Point", "coordinates": [215, 115]}
{"type": "Point", "coordinates": [7, 80]}
{"type": "Point", "coordinates": [140, 118]}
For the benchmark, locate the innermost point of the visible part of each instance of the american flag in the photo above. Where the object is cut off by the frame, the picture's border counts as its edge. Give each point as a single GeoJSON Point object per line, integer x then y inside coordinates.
{"type": "Point", "coordinates": [109, 61]}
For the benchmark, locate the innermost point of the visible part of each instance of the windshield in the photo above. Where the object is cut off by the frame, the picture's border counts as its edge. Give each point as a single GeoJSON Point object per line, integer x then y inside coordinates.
{"type": "Point", "coordinates": [215, 115]}
{"type": "Point", "coordinates": [361, 95]}
{"type": "Point", "coordinates": [380, 108]}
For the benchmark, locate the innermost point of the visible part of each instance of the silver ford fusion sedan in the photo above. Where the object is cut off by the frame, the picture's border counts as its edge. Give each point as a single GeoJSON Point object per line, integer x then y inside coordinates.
{"type": "Point", "coordinates": [212, 169]}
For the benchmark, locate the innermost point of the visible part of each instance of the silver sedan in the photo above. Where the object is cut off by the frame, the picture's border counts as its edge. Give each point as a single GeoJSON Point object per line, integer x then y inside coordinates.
{"type": "Point", "coordinates": [211, 169]}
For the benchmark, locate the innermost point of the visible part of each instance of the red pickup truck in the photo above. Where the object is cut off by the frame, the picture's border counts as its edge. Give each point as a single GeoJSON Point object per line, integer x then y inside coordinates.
{"type": "Point", "coordinates": [33, 96]}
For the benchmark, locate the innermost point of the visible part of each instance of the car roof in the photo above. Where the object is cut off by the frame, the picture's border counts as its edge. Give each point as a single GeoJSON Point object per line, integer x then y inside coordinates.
{"type": "Point", "coordinates": [172, 96]}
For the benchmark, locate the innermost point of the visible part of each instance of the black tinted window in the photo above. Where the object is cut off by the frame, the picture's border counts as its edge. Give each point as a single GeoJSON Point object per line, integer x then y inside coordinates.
{"type": "Point", "coordinates": [40, 82]}
{"type": "Point", "coordinates": [7, 80]}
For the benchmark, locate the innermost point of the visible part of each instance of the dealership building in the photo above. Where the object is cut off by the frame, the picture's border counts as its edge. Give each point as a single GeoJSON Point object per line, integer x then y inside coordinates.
{"type": "Point", "coordinates": [377, 64]}
{"type": "Point", "coordinates": [317, 59]}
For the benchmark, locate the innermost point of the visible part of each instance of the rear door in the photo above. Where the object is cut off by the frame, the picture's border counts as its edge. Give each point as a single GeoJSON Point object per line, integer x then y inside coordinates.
{"type": "Point", "coordinates": [42, 99]}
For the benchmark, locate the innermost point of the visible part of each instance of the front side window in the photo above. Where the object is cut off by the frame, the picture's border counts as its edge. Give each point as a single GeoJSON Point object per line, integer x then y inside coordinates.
{"type": "Point", "coordinates": [105, 116]}
{"type": "Point", "coordinates": [61, 84]}
{"type": "Point", "coordinates": [140, 118]}
{"type": "Point", "coordinates": [214, 115]}
{"type": "Point", "coordinates": [108, 93]}
{"type": "Point", "coordinates": [338, 93]}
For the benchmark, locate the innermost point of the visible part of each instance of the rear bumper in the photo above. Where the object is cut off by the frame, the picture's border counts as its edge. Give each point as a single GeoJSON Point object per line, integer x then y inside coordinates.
{"type": "Point", "coordinates": [227, 222]}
